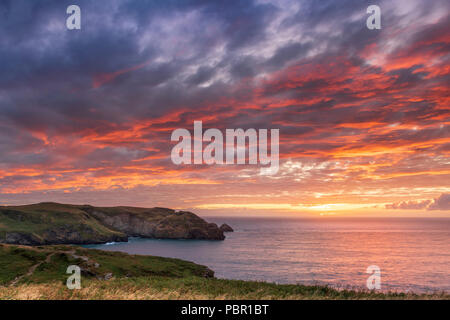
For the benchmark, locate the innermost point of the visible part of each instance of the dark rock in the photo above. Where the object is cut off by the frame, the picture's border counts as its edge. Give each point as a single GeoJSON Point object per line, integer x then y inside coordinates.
{"type": "Point", "coordinates": [21, 238]}
{"type": "Point", "coordinates": [208, 273]}
{"type": "Point", "coordinates": [108, 276]}
{"type": "Point", "coordinates": [87, 273]}
{"type": "Point", "coordinates": [226, 228]}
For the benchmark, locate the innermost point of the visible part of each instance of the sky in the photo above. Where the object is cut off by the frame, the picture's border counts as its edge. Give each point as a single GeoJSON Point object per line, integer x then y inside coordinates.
{"type": "Point", "coordinates": [86, 115]}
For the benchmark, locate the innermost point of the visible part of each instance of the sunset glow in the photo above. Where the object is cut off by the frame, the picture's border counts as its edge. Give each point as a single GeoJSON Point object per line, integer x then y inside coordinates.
{"type": "Point", "coordinates": [364, 115]}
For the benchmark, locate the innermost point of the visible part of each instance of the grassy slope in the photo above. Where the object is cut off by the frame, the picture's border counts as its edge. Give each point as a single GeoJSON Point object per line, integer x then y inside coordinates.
{"type": "Point", "coordinates": [156, 213]}
{"type": "Point", "coordinates": [52, 263]}
{"type": "Point", "coordinates": [16, 261]}
{"type": "Point", "coordinates": [142, 277]}
{"type": "Point", "coordinates": [52, 223]}
{"type": "Point", "coordinates": [37, 218]}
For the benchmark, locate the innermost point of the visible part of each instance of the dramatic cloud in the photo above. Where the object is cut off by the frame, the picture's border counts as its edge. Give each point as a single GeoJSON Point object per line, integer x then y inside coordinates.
{"type": "Point", "coordinates": [441, 203]}
{"type": "Point", "coordinates": [86, 115]}
{"type": "Point", "coordinates": [409, 205]}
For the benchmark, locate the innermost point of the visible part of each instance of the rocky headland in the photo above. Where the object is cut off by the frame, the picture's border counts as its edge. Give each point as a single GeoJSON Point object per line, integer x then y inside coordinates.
{"type": "Point", "coordinates": [55, 223]}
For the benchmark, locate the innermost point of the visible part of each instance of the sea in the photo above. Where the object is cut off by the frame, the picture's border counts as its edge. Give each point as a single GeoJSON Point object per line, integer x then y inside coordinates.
{"type": "Point", "coordinates": [411, 254]}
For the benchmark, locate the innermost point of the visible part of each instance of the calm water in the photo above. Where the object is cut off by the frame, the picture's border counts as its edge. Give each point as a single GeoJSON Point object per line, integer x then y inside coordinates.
{"type": "Point", "coordinates": [413, 254]}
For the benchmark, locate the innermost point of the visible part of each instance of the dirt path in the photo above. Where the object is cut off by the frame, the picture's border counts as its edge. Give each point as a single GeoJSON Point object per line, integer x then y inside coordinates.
{"type": "Point", "coordinates": [47, 260]}
{"type": "Point", "coordinates": [32, 269]}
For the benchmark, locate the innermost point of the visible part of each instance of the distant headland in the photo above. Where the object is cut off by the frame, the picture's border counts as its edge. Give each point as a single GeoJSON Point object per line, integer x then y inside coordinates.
{"type": "Point", "coordinates": [55, 223]}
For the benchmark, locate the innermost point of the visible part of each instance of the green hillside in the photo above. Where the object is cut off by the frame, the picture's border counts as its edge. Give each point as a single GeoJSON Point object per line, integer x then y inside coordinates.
{"type": "Point", "coordinates": [40, 273]}
{"type": "Point", "coordinates": [47, 223]}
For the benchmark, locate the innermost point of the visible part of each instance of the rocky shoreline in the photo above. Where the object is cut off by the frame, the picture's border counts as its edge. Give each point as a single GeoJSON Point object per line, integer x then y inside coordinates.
{"type": "Point", "coordinates": [54, 223]}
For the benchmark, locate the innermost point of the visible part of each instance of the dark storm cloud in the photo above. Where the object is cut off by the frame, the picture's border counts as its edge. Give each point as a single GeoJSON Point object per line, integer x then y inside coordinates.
{"type": "Point", "coordinates": [288, 53]}
{"type": "Point", "coordinates": [202, 75]}
{"type": "Point", "coordinates": [244, 67]}
{"type": "Point", "coordinates": [48, 72]}
{"type": "Point", "coordinates": [52, 70]}
{"type": "Point", "coordinates": [407, 76]}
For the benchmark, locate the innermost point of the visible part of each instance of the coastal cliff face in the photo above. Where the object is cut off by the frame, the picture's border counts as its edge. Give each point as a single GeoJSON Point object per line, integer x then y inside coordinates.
{"type": "Point", "coordinates": [157, 223]}
{"type": "Point", "coordinates": [53, 223]}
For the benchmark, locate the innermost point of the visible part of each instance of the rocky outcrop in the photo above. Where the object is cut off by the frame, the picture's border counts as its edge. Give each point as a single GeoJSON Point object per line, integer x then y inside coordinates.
{"type": "Point", "coordinates": [20, 238]}
{"type": "Point", "coordinates": [226, 228]}
{"type": "Point", "coordinates": [52, 223]}
{"type": "Point", "coordinates": [159, 223]}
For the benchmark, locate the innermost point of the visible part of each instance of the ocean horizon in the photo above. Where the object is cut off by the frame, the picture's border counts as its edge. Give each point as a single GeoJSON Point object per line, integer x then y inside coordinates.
{"type": "Point", "coordinates": [413, 254]}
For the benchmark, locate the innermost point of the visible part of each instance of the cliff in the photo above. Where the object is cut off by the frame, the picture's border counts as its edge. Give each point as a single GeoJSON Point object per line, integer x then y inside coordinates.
{"type": "Point", "coordinates": [54, 223]}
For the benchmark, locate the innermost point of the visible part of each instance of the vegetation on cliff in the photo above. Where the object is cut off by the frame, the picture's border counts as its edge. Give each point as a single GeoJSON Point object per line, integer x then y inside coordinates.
{"type": "Point", "coordinates": [54, 223]}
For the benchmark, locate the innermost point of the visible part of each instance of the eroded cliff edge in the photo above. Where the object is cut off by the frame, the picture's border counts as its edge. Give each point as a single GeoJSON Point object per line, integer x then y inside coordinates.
{"type": "Point", "coordinates": [54, 223]}
{"type": "Point", "coordinates": [159, 223]}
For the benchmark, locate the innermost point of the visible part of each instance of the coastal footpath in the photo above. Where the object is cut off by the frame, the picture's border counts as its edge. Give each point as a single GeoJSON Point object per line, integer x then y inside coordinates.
{"type": "Point", "coordinates": [39, 272]}
{"type": "Point", "coordinates": [50, 223]}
